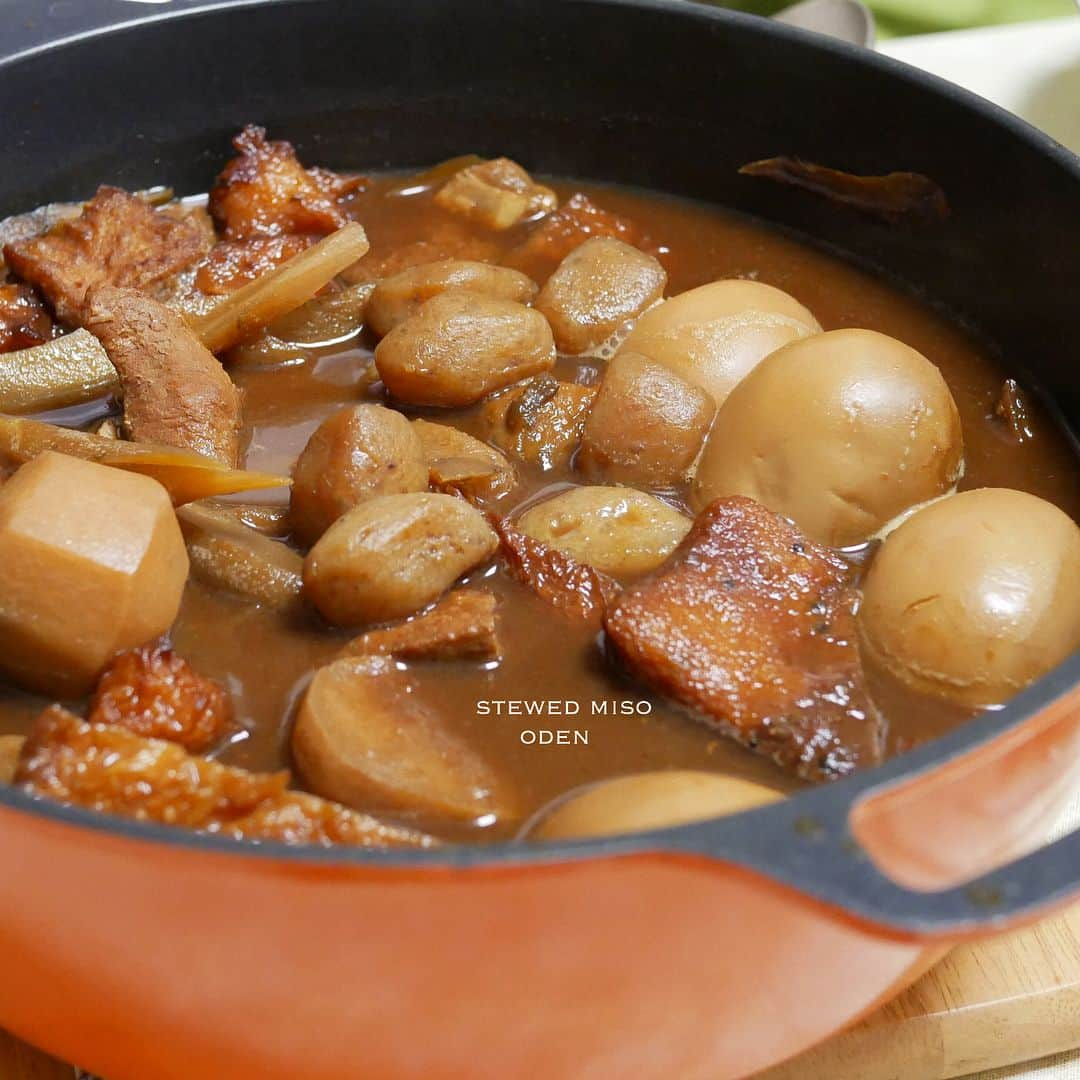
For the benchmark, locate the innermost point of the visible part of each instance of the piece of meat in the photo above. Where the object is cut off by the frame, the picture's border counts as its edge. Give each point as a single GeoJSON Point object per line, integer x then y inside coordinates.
{"type": "Point", "coordinates": [24, 319]}
{"type": "Point", "coordinates": [460, 627]}
{"type": "Point", "coordinates": [576, 590]}
{"type": "Point", "coordinates": [156, 694]}
{"type": "Point", "coordinates": [114, 771]}
{"type": "Point", "coordinates": [118, 239]}
{"type": "Point", "coordinates": [175, 391]}
{"type": "Point", "coordinates": [265, 191]}
{"type": "Point", "coordinates": [233, 263]}
{"type": "Point", "coordinates": [752, 626]}
{"type": "Point", "coordinates": [553, 237]}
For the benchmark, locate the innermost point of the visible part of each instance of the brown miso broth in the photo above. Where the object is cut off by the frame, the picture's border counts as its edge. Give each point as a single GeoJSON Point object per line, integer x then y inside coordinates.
{"type": "Point", "coordinates": [265, 659]}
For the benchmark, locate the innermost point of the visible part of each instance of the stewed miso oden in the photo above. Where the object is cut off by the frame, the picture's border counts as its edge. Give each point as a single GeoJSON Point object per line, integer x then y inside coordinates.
{"type": "Point", "coordinates": [402, 510]}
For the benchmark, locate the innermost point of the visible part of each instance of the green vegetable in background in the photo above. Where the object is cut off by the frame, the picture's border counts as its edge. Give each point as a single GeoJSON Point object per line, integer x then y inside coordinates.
{"type": "Point", "coordinates": [927, 16]}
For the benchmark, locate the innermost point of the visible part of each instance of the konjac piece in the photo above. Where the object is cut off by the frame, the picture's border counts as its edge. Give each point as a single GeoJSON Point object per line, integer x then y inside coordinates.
{"type": "Point", "coordinates": [461, 346]}
{"type": "Point", "coordinates": [393, 555]}
{"type": "Point", "coordinates": [119, 239]}
{"type": "Point", "coordinates": [352, 455]}
{"type": "Point", "coordinates": [175, 391]}
{"type": "Point", "coordinates": [91, 562]}
{"type": "Point", "coordinates": [617, 530]}
{"type": "Point", "coordinates": [230, 555]}
{"type": "Point", "coordinates": [112, 770]}
{"type": "Point", "coordinates": [646, 426]}
{"type": "Point", "coordinates": [397, 298]}
{"type": "Point", "coordinates": [365, 738]}
{"type": "Point", "coordinates": [752, 626]}
{"type": "Point", "coordinates": [155, 693]}
{"type": "Point", "coordinates": [596, 289]}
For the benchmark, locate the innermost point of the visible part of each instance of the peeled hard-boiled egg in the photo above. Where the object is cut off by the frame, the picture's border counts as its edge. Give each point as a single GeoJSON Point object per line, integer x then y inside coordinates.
{"type": "Point", "coordinates": [975, 596]}
{"type": "Point", "coordinates": [713, 335]}
{"type": "Point", "coordinates": [840, 432]}
{"type": "Point", "coordinates": [651, 800]}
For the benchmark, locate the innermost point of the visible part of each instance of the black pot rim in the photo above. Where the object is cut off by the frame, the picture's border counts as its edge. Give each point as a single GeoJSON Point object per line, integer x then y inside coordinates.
{"type": "Point", "coordinates": [781, 846]}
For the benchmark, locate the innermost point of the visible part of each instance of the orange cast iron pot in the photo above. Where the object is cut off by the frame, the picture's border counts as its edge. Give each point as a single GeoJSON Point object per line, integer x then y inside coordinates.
{"type": "Point", "coordinates": [707, 951]}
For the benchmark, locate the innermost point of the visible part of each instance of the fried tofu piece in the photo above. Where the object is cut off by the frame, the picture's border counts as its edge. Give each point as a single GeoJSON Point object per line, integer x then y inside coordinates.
{"type": "Point", "coordinates": [752, 626]}
{"type": "Point", "coordinates": [496, 193]}
{"type": "Point", "coordinates": [462, 626]}
{"type": "Point", "coordinates": [265, 191]}
{"type": "Point", "coordinates": [578, 591]}
{"type": "Point", "coordinates": [553, 237]}
{"type": "Point", "coordinates": [299, 818]}
{"type": "Point", "coordinates": [156, 694]}
{"type": "Point", "coordinates": [118, 239]}
{"type": "Point", "coordinates": [24, 319]}
{"type": "Point", "coordinates": [541, 422]}
{"type": "Point", "coordinates": [448, 240]}
{"type": "Point", "coordinates": [115, 771]}
{"type": "Point", "coordinates": [234, 263]}
{"type": "Point", "coordinates": [10, 749]}
{"type": "Point", "coordinates": [175, 391]}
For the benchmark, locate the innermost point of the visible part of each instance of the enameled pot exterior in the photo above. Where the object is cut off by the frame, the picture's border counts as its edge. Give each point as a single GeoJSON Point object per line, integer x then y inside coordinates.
{"type": "Point", "coordinates": [144, 956]}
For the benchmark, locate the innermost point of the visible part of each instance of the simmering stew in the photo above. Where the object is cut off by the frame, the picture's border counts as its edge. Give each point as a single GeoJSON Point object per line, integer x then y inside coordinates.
{"type": "Point", "coordinates": [413, 509]}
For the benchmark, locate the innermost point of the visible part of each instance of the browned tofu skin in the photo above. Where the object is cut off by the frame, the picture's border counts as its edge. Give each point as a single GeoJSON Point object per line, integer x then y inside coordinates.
{"type": "Point", "coordinates": [554, 236]}
{"type": "Point", "coordinates": [598, 288]}
{"type": "Point", "coordinates": [175, 391]}
{"type": "Point", "coordinates": [115, 771]}
{"type": "Point", "coordinates": [752, 626]}
{"type": "Point", "coordinates": [24, 319]}
{"type": "Point", "coordinates": [540, 423]}
{"type": "Point", "coordinates": [155, 693]}
{"type": "Point", "coordinates": [578, 591]}
{"type": "Point", "coordinates": [265, 191]}
{"type": "Point", "coordinates": [118, 239]}
{"type": "Point", "coordinates": [10, 749]}
{"type": "Point", "coordinates": [646, 426]}
{"type": "Point", "coordinates": [496, 193]}
{"type": "Point", "coordinates": [460, 627]}
{"type": "Point", "coordinates": [450, 240]}
{"type": "Point", "coordinates": [234, 263]}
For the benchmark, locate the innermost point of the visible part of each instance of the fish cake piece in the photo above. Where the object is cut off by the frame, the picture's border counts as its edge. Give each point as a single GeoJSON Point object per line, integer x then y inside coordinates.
{"type": "Point", "coordinates": [752, 626]}
{"type": "Point", "coordinates": [118, 239]}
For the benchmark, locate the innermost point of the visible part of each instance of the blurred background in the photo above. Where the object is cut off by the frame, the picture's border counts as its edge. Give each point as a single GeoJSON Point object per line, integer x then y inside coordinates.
{"type": "Point", "coordinates": [901, 17]}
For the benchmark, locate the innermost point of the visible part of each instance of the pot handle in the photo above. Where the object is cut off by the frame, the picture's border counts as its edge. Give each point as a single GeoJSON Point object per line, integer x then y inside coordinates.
{"type": "Point", "coordinates": [822, 859]}
{"type": "Point", "coordinates": [812, 843]}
